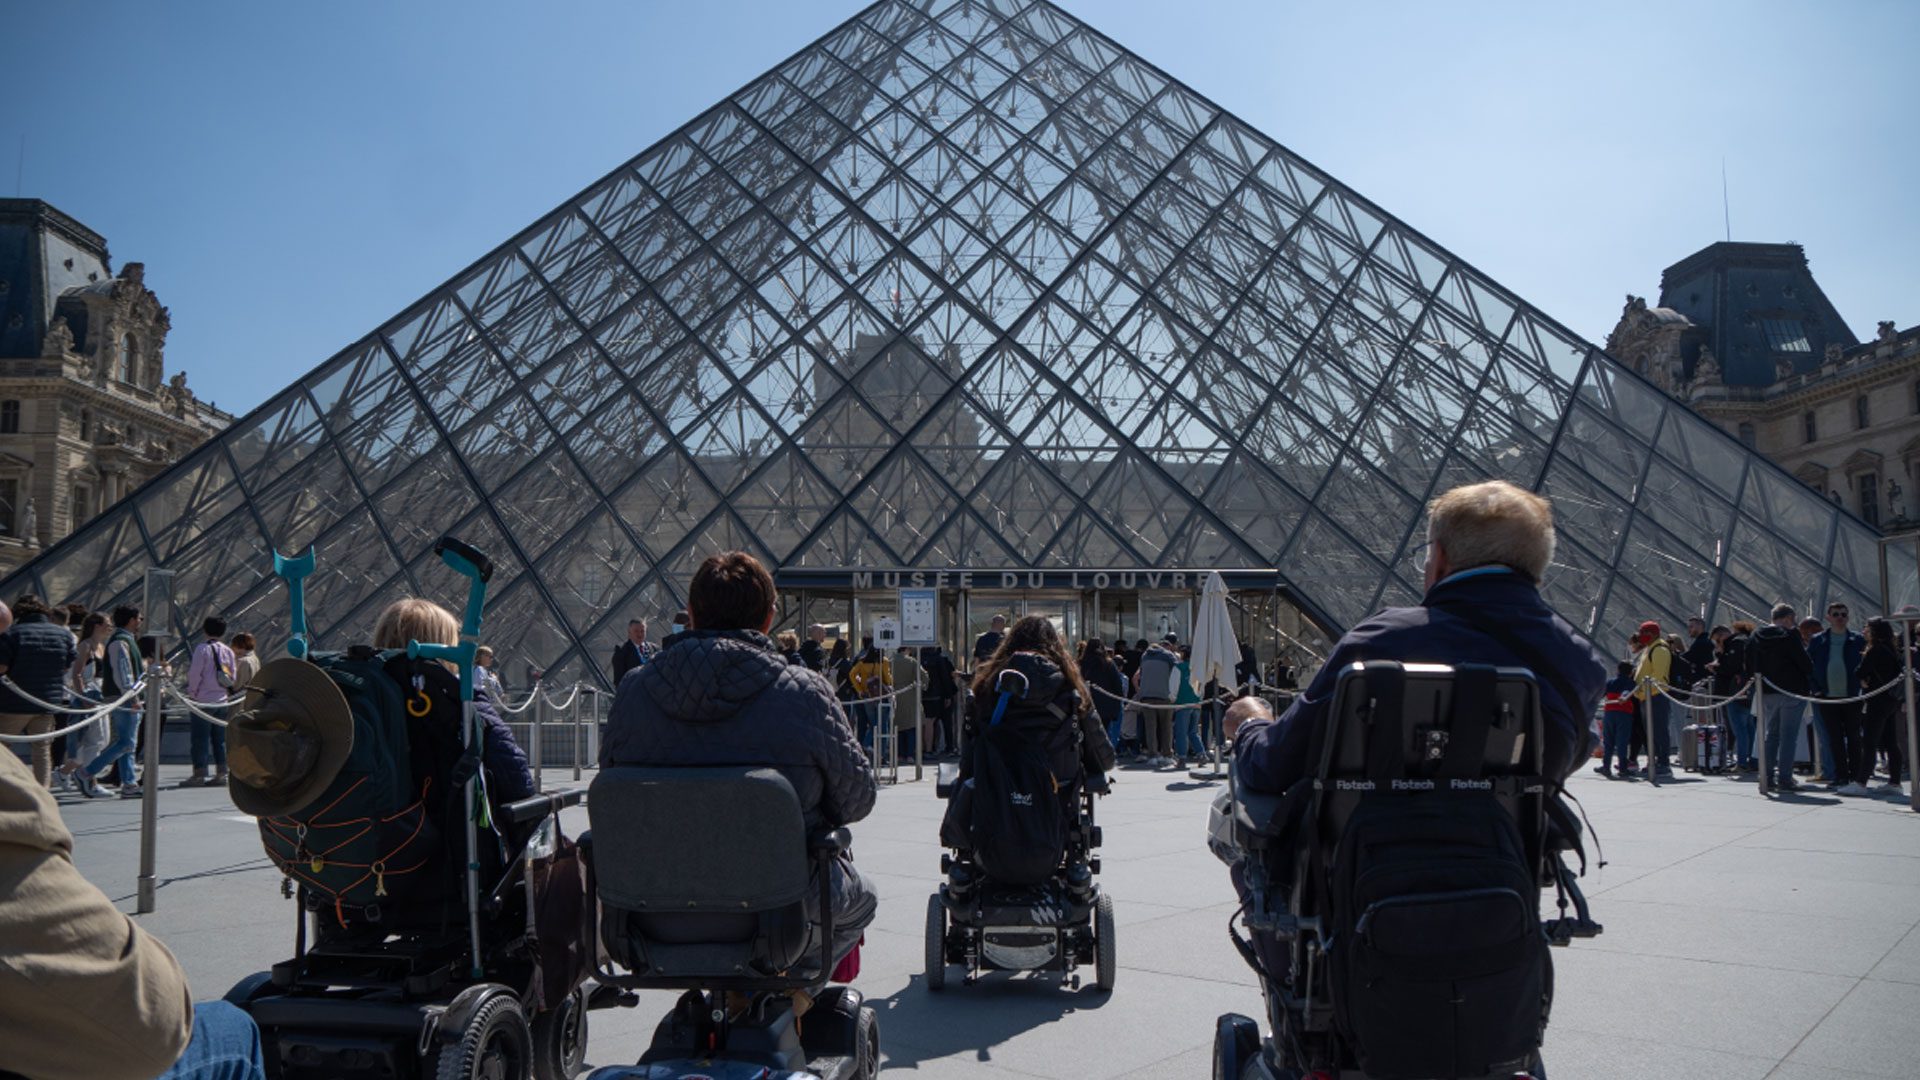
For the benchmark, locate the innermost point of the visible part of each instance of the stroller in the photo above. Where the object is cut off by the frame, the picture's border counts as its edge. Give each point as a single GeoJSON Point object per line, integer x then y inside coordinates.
{"type": "Point", "coordinates": [1393, 896]}
{"type": "Point", "coordinates": [468, 956]}
{"type": "Point", "coordinates": [995, 914]}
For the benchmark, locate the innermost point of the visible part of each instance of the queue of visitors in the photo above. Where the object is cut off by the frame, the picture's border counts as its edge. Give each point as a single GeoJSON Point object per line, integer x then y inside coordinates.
{"type": "Point", "coordinates": [1709, 688]}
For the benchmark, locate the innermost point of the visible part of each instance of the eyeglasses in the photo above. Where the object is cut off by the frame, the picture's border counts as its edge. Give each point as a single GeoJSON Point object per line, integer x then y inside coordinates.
{"type": "Point", "coordinates": [1841, 614]}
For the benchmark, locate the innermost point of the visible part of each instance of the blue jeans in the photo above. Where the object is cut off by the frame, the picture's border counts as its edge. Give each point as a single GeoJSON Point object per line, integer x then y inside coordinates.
{"type": "Point", "coordinates": [1113, 732]}
{"type": "Point", "coordinates": [1822, 744]}
{"type": "Point", "coordinates": [225, 1045]}
{"type": "Point", "coordinates": [208, 735]}
{"type": "Point", "coordinates": [1740, 719]}
{"type": "Point", "coordinates": [1186, 736]}
{"type": "Point", "coordinates": [120, 743]}
{"type": "Point", "coordinates": [1783, 734]}
{"type": "Point", "coordinates": [1617, 732]}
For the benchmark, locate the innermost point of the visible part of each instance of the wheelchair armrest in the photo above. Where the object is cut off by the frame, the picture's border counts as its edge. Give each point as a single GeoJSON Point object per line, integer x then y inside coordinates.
{"type": "Point", "coordinates": [945, 776]}
{"type": "Point", "coordinates": [535, 807]}
{"type": "Point", "coordinates": [1098, 783]}
{"type": "Point", "coordinates": [830, 842]}
{"type": "Point", "coordinates": [1258, 814]}
{"type": "Point", "coordinates": [584, 842]}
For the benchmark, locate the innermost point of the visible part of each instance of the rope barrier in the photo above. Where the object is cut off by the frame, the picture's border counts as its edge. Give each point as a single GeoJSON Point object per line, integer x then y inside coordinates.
{"type": "Point", "coordinates": [568, 703]}
{"type": "Point", "coordinates": [49, 736]}
{"type": "Point", "coordinates": [90, 710]}
{"type": "Point", "coordinates": [197, 708]}
{"type": "Point", "coordinates": [1229, 698]}
{"type": "Point", "coordinates": [532, 696]}
{"type": "Point", "coordinates": [888, 696]}
{"type": "Point", "coordinates": [1888, 685]}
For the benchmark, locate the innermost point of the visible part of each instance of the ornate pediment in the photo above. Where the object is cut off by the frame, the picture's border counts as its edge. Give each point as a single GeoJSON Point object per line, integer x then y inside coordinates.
{"type": "Point", "coordinates": [1862, 461]}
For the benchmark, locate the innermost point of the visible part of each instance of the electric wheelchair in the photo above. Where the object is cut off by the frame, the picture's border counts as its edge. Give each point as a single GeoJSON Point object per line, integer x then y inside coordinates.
{"type": "Point", "coordinates": [1393, 895]}
{"type": "Point", "coordinates": [399, 993]}
{"type": "Point", "coordinates": [1053, 917]}
{"type": "Point", "coordinates": [709, 882]}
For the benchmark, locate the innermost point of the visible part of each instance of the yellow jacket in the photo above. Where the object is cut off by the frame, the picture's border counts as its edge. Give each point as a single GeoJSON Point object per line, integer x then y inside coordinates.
{"type": "Point", "coordinates": [1653, 662]}
{"type": "Point", "coordinates": [871, 678]}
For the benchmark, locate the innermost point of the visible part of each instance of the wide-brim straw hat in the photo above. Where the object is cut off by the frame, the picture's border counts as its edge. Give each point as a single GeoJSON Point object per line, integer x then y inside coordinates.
{"type": "Point", "coordinates": [287, 740]}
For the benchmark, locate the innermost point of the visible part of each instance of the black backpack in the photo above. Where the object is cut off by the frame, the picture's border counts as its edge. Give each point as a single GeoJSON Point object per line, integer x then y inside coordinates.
{"type": "Point", "coordinates": [1012, 812]}
{"type": "Point", "coordinates": [1440, 965]}
{"type": "Point", "coordinates": [1680, 673]}
{"type": "Point", "coordinates": [369, 841]}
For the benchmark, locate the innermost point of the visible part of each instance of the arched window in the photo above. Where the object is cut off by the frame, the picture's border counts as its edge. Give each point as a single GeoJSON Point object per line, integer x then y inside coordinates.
{"type": "Point", "coordinates": [1807, 427]}
{"type": "Point", "coordinates": [129, 359]}
{"type": "Point", "coordinates": [1861, 413]}
{"type": "Point", "coordinates": [1746, 433]}
{"type": "Point", "coordinates": [9, 417]}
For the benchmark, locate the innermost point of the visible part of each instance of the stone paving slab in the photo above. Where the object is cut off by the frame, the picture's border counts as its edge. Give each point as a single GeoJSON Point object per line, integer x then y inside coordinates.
{"type": "Point", "coordinates": [1746, 938]}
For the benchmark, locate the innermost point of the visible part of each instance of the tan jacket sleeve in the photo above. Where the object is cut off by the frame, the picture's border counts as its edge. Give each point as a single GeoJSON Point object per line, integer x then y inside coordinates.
{"type": "Point", "coordinates": [84, 993]}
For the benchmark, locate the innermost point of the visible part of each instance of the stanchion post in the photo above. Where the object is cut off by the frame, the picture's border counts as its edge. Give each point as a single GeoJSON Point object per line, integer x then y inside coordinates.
{"type": "Point", "coordinates": [1653, 748]}
{"type": "Point", "coordinates": [1760, 733]}
{"type": "Point", "coordinates": [1913, 729]}
{"type": "Point", "coordinates": [158, 607]}
{"type": "Point", "coordinates": [576, 731]}
{"type": "Point", "coordinates": [539, 750]}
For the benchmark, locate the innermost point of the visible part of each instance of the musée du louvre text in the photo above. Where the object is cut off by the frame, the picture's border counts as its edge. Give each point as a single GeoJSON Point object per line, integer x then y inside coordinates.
{"type": "Point", "coordinates": [967, 578]}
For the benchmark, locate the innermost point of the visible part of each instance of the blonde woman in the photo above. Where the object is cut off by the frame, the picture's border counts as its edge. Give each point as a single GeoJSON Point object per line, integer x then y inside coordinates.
{"type": "Point", "coordinates": [504, 763]}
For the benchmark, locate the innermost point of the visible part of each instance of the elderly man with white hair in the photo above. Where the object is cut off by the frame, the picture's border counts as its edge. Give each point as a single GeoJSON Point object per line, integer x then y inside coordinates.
{"type": "Point", "coordinates": [1488, 547]}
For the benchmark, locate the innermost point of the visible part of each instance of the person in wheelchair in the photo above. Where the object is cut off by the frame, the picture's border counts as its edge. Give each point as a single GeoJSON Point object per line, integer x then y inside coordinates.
{"type": "Point", "coordinates": [1049, 686]}
{"type": "Point", "coordinates": [721, 694]}
{"type": "Point", "coordinates": [435, 734]}
{"type": "Point", "coordinates": [1401, 821]}
{"type": "Point", "coordinates": [1488, 547]}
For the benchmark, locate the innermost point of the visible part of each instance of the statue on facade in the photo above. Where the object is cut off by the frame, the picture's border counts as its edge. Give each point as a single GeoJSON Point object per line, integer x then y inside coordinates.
{"type": "Point", "coordinates": [1635, 305]}
{"type": "Point", "coordinates": [1706, 369]}
{"type": "Point", "coordinates": [59, 339]}
{"type": "Point", "coordinates": [1782, 369]}
{"type": "Point", "coordinates": [1887, 332]}
{"type": "Point", "coordinates": [1834, 349]}
{"type": "Point", "coordinates": [30, 524]}
{"type": "Point", "coordinates": [179, 383]}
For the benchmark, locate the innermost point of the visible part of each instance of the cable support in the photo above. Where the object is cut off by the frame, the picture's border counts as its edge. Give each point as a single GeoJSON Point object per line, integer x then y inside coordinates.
{"type": "Point", "coordinates": [1888, 685]}
{"type": "Point", "coordinates": [89, 711]}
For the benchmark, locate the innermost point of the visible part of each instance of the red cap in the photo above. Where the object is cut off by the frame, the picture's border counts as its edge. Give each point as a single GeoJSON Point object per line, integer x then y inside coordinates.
{"type": "Point", "coordinates": [1650, 627]}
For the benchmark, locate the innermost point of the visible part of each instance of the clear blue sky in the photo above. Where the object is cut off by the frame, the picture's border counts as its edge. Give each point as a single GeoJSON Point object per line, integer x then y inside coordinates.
{"type": "Point", "coordinates": [294, 174]}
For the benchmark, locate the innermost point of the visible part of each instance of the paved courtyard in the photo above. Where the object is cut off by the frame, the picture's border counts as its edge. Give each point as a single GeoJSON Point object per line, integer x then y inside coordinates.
{"type": "Point", "coordinates": [1745, 938]}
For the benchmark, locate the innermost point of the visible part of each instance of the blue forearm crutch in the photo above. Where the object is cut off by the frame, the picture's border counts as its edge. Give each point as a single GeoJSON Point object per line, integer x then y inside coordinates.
{"type": "Point", "coordinates": [295, 570]}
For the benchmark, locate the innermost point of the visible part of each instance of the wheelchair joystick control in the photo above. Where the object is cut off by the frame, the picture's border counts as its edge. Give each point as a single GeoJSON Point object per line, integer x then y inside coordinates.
{"type": "Point", "coordinates": [960, 880]}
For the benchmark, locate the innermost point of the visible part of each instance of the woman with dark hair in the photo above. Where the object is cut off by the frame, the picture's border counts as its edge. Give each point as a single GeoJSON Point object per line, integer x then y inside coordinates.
{"type": "Point", "coordinates": [1100, 673]}
{"type": "Point", "coordinates": [1053, 684]}
{"type": "Point", "coordinates": [1879, 665]}
{"type": "Point", "coordinates": [840, 670]}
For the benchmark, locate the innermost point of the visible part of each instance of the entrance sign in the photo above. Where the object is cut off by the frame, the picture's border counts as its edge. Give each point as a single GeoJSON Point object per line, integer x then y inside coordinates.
{"type": "Point", "coordinates": [886, 633]}
{"type": "Point", "coordinates": [918, 617]}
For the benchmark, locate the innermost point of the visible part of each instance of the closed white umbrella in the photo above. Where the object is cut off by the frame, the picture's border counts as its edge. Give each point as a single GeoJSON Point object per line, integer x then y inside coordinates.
{"type": "Point", "coordinates": [1216, 652]}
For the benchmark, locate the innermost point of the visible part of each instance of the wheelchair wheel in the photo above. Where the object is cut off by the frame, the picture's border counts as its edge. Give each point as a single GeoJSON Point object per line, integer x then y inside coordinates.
{"type": "Point", "coordinates": [1105, 962]}
{"type": "Point", "coordinates": [936, 943]}
{"type": "Point", "coordinates": [560, 1038]}
{"type": "Point", "coordinates": [495, 1045]}
{"type": "Point", "coordinates": [866, 1060]}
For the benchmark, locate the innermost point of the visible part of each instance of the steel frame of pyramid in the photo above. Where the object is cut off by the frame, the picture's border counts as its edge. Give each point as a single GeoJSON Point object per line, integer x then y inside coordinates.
{"type": "Point", "coordinates": [961, 283]}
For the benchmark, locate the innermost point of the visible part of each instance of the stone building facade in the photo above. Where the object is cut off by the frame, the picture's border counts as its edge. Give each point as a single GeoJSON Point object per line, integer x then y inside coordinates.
{"type": "Point", "coordinates": [87, 409]}
{"type": "Point", "coordinates": [1744, 334]}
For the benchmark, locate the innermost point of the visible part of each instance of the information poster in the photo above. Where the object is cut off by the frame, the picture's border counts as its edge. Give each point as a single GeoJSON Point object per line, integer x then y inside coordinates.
{"type": "Point", "coordinates": [918, 615]}
{"type": "Point", "coordinates": [886, 634]}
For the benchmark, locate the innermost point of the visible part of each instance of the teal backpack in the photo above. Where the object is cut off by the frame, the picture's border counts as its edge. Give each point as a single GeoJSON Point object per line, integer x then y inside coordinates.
{"type": "Point", "coordinates": [367, 845]}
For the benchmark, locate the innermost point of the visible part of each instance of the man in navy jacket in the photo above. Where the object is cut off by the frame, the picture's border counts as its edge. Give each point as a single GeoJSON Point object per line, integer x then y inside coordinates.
{"type": "Point", "coordinates": [1488, 547]}
{"type": "Point", "coordinates": [1836, 656]}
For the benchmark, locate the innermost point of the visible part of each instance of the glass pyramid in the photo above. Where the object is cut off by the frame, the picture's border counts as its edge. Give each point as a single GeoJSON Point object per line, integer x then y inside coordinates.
{"type": "Point", "coordinates": [961, 283]}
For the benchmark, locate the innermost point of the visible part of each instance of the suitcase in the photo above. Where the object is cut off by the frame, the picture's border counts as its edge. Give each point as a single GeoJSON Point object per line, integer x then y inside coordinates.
{"type": "Point", "coordinates": [1703, 748]}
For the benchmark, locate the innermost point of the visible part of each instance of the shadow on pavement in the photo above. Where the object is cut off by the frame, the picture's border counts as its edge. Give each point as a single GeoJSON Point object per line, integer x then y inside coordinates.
{"type": "Point", "coordinates": [919, 1025]}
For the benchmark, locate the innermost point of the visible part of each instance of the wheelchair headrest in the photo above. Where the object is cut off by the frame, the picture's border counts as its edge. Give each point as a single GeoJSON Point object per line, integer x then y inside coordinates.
{"type": "Point", "coordinates": [711, 839]}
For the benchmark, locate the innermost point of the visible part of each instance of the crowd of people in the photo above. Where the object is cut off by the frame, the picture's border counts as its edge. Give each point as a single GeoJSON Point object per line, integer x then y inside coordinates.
{"type": "Point", "coordinates": [1706, 687]}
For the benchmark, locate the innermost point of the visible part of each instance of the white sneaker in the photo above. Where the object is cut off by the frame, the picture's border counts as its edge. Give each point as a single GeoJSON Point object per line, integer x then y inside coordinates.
{"type": "Point", "coordinates": [130, 791]}
{"type": "Point", "coordinates": [1893, 787]}
{"type": "Point", "coordinates": [1850, 789]}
